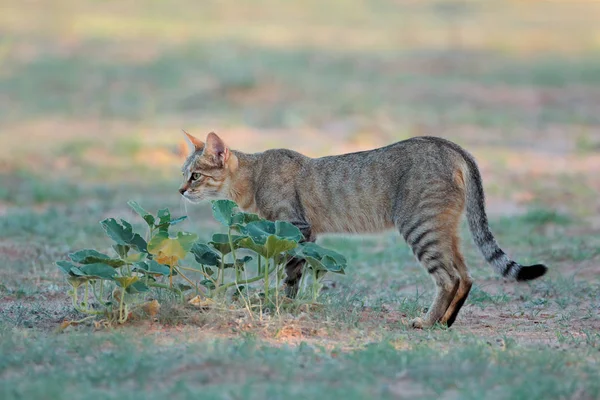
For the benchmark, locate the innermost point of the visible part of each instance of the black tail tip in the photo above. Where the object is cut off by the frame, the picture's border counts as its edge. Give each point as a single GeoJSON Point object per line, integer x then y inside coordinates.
{"type": "Point", "coordinates": [531, 272]}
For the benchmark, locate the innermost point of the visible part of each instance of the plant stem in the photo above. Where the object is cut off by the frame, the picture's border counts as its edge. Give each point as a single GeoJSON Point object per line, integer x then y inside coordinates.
{"type": "Point", "coordinates": [87, 311]}
{"type": "Point", "coordinates": [86, 295]}
{"type": "Point", "coordinates": [276, 285]}
{"type": "Point", "coordinates": [244, 282]}
{"type": "Point", "coordinates": [82, 320]}
{"type": "Point", "coordinates": [101, 291]}
{"type": "Point", "coordinates": [267, 272]}
{"type": "Point", "coordinates": [315, 286]}
{"type": "Point", "coordinates": [221, 276]}
{"type": "Point", "coordinates": [121, 320]}
{"type": "Point", "coordinates": [301, 288]}
{"type": "Point", "coordinates": [197, 270]}
{"type": "Point", "coordinates": [74, 297]}
{"type": "Point", "coordinates": [77, 307]}
{"type": "Point", "coordinates": [186, 278]}
{"type": "Point", "coordinates": [238, 275]}
{"type": "Point", "coordinates": [259, 271]}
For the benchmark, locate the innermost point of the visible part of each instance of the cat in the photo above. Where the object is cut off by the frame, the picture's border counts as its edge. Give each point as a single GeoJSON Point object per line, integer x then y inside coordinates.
{"type": "Point", "coordinates": [420, 186]}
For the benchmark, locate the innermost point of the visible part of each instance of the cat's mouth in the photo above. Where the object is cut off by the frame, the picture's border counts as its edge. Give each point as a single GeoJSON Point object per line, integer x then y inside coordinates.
{"type": "Point", "coordinates": [193, 198]}
{"type": "Point", "coordinates": [196, 198]}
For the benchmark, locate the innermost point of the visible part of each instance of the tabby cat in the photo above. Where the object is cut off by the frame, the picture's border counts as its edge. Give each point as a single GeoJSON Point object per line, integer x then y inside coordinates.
{"type": "Point", "coordinates": [420, 186]}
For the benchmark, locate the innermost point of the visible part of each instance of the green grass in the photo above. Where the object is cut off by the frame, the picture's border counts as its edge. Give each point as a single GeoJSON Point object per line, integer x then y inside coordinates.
{"type": "Point", "coordinates": [114, 366]}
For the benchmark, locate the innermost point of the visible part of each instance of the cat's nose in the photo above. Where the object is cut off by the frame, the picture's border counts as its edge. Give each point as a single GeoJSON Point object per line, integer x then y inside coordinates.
{"type": "Point", "coordinates": [182, 190]}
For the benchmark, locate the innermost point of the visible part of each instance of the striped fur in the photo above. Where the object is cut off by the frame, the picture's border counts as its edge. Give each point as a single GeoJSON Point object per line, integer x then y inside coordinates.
{"type": "Point", "coordinates": [421, 186]}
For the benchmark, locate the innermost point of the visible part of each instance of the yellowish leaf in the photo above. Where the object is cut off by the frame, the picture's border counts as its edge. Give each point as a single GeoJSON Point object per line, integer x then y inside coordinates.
{"type": "Point", "coordinates": [201, 302]}
{"type": "Point", "coordinates": [162, 258]}
{"type": "Point", "coordinates": [63, 325]}
{"type": "Point", "coordinates": [126, 281]}
{"type": "Point", "coordinates": [151, 308]}
{"type": "Point", "coordinates": [170, 250]}
{"type": "Point", "coordinates": [135, 257]}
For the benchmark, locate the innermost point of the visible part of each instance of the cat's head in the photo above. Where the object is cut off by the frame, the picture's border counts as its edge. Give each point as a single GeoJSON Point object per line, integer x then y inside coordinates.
{"type": "Point", "coordinates": [207, 170]}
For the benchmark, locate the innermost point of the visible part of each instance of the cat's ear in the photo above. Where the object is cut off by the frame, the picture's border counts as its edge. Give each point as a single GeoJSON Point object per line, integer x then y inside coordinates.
{"type": "Point", "coordinates": [217, 148]}
{"type": "Point", "coordinates": [194, 143]}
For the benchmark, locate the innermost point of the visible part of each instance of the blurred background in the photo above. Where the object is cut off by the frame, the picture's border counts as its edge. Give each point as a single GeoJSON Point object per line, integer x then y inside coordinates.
{"type": "Point", "coordinates": [94, 94]}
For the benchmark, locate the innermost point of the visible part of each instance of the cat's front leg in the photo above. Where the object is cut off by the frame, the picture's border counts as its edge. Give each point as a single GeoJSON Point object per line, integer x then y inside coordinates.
{"type": "Point", "coordinates": [293, 268]}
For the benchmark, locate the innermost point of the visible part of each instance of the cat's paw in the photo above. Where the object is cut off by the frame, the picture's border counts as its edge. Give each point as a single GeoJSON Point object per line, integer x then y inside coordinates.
{"type": "Point", "coordinates": [290, 291]}
{"type": "Point", "coordinates": [416, 323]}
{"type": "Point", "coordinates": [420, 323]}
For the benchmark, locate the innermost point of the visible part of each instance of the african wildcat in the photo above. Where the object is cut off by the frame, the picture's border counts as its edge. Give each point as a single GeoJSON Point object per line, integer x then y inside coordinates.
{"type": "Point", "coordinates": [421, 186]}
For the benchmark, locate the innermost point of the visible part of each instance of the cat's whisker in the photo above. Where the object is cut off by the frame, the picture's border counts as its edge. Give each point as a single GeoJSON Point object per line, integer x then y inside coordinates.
{"type": "Point", "coordinates": [183, 207]}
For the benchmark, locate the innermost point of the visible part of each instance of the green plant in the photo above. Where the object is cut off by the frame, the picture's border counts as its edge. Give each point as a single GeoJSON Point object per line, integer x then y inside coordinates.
{"type": "Point", "coordinates": [114, 286]}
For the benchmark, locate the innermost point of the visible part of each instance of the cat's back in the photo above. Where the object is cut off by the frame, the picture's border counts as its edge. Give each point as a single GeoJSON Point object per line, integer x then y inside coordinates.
{"type": "Point", "coordinates": [417, 147]}
{"type": "Point", "coordinates": [359, 190]}
{"type": "Point", "coordinates": [282, 161]}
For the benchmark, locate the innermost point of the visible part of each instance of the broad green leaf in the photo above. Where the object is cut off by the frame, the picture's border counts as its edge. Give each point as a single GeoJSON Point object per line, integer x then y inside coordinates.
{"type": "Point", "coordinates": [186, 240]}
{"type": "Point", "coordinates": [319, 262]}
{"type": "Point", "coordinates": [242, 261]}
{"type": "Point", "coordinates": [69, 268]}
{"type": "Point", "coordinates": [205, 255]}
{"type": "Point", "coordinates": [122, 233]}
{"type": "Point", "coordinates": [240, 290]}
{"type": "Point", "coordinates": [240, 219]}
{"type": "Point", "coordinates": [99, 271]}
{"type": "Point", "coordinates": [259, 231]}
{"type": "Point", "coordinates": [126, 281]}
{"type": "Point", "coordinates": [239, 263]}
{"type": "Point", "coordinates": [170, 250]}
{"type": "Point", "coordinates": [250, 244]}
{"type": "Point", "coordinates": [164, 219]}
{"type": "Point", "coordinates": [84, 256]}
{"type": "Point", "coordinates": [331, 265]}
{"type": "Point", "coordinates": [177, 220]}
{"type": "Point", "coordinates": [287, 230]}
{"type": "Point", "coordinates": [137, 287]}
{"type": "Point", "coordinates": [276, 245]}
{"type": "Point", "coordinates": [149, 218]}
{"type": "Point", "coordinates": [318, 252]}
{"type": "Point", "coordinates": [151, 267]}
{"type": "Point", "coordinates": [273, 245]}
{"type": "Point", "coordinates": [164, 216]}
{"type": "Point", "coordinates": [208, 284]}
{"type": "Point", "coordinates": [314, 263]}
{"type": "Point", "coordinates": [223, 211]}
{"type": "Point", "coordinates": [220, 241]}
{"type": "Point", "coordinates": [121, 250]}
{"type": "Point", "coordinates": [89, 256]}
{"type": "Point", "coordinates": [136, 257]}
{"type": "Point", "coordinates": [76, 281]}
{"type": "Point", "coordinates": [183, 287]}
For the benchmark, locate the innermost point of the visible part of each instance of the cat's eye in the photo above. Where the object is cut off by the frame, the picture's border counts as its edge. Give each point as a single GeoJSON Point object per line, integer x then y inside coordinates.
{"type": "Point", "coordinates": [196, 176]}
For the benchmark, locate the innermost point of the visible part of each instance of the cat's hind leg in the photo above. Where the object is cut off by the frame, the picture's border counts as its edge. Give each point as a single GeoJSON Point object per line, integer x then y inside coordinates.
{"type": "Point", "coordinates": [447, 284]}
{"type": "Point", "coordinates": [463, 289]}
{"type": "Point", "coordinates": [432, 232]}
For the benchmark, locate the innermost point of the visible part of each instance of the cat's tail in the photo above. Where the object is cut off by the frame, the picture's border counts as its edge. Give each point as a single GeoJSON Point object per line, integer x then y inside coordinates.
{"type": "Point", "coordinates": [483, 237]}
